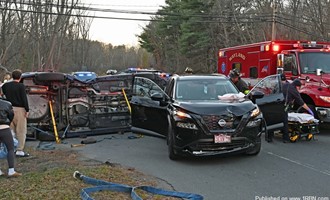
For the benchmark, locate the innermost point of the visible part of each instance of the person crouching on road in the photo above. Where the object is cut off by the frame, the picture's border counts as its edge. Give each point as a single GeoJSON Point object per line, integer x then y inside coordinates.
{"type": "Point", "coordinates": [15, 93]}
{"type": "Point", "coordinates": [6, 116]}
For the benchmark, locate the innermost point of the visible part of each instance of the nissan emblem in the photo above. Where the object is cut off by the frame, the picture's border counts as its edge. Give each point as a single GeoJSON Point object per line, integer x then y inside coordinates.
{"type": "Point", "coordinates": [222, 122]}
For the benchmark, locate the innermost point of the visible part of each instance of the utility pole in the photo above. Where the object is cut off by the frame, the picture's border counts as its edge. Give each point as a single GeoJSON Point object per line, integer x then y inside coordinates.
{"type": "Point", "coordinates": [274, 21]}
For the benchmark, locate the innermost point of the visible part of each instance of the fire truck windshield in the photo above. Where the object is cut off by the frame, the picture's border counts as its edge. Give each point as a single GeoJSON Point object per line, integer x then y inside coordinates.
{"type": "Point", "coordinates": [310, 61]}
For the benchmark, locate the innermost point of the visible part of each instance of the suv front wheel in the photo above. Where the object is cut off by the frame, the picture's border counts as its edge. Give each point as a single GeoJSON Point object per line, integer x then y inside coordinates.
{"type": "Point", "coordinates": [256, 149]}
{"type": "Point", "coordinates": [173, 155]}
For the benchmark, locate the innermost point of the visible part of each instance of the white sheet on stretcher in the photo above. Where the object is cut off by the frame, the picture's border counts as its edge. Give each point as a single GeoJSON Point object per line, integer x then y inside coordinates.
{"type": "Point", "coordinates": [302, 118]}
{"type": "Point", "coordinates": [232, 96]}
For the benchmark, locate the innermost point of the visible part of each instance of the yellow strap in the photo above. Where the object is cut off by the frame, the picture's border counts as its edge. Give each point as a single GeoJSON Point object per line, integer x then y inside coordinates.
{"type": "Point", "coordinates": [127, 102]}
{"type": "Point", "coordinates": [54, 123]}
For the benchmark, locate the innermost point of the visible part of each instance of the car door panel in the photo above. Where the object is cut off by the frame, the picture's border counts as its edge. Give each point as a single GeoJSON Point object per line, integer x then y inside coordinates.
{"type": "Point", "coordinates": [272, 104]}
{"type": "Point", "coordinates": [272, 107]}
{"type": "Point", "coordinates": [148, 114]}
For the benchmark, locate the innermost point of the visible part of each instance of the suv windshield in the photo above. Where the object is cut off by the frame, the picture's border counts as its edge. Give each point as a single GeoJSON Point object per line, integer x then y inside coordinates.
{"type": "Point", "coordinates": [203, 89]}
{"type": "Point", "coordinates": [317, 60]}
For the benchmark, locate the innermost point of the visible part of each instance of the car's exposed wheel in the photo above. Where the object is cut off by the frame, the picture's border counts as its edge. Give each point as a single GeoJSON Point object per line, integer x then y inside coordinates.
{"type": "Point", "coordinates": [39, 108]}
{"type": "Point", "coordinates": [256, 149]}
{"type": "Point", "coordinates": [173, 155]}
{"type": "Point", "coordinates": [50, 76]}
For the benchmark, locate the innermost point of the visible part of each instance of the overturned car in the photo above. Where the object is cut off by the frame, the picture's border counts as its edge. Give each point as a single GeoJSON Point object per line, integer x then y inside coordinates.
{"type": "Point", "coordinates": [63, 104]}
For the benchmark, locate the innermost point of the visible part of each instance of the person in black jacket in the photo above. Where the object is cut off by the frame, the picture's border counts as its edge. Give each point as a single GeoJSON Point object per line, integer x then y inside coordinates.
{"type": "Point", "coordinates": [15, 93]}
{"type": "Point", "coordinates": [292, 96]}
{"type": "Point", "coordinates": [6, 116]}
{"type": "Point", "coordinates": [241, 85]}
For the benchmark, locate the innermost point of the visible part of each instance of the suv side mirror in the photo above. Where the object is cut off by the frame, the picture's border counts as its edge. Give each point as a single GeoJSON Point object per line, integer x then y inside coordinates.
{"type": "Point", "coordinates": [256, 95]}
{"type": "Point", "coordinates": [157, 96]}
{"type": "Point", "coordinates": [319, 72]}
{"type": "Point", "coordinates": [295, 72]}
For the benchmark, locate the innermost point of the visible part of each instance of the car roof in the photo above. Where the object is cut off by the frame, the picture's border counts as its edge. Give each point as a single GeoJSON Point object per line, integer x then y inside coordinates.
{"type": "Point", "coordinates": [84, 72]}
{"type": "Point", "coordinates": [139, 70]}
{"type": "Point", "coordinates": [200, 76]}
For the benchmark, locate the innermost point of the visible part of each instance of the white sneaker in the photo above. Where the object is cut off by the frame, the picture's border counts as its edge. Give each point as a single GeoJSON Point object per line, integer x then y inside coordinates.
{"type": "Point", "coordinates": [1, 173]}
{"type": "Point", "coordinates": [22, 154]}
{"type": "Point", "coordinates": [15, 174]}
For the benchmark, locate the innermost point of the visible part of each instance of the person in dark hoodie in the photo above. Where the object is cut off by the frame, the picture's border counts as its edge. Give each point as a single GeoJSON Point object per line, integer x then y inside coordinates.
{"type": "Point", "coordinates": [292, 97]}
{"type": "Point", "coordinates": [6, 116]}
{"type": "Point", "coordinates": [15, 93]}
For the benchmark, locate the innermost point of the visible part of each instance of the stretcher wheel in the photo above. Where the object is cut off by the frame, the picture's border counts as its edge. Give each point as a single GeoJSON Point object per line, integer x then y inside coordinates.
{"type": "Point", "coordinates": [309, 137]}
{"type": "Point", "coordinates": [294, 138]}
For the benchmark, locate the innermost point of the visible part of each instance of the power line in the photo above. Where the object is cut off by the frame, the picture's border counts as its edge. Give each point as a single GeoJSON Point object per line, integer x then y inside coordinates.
{"type": "Point", "coordinates": [299, 19]}
{"type": "Point", "coordinates": [297, 29]}
{"type": "Point", "coordinates": [223, 19]}
{"type": "Point", "coordinates": [260, 18]}
{"type": "Point", "coordinates": [76, 15]}
{"type": "Point", "coordinates": [122, 5]}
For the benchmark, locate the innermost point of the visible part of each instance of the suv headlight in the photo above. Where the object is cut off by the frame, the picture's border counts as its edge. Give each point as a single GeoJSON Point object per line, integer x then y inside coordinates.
{"type": "Point", "coordinates": [255, 112]}
{"type": "Point", "coordinates": [181, 114]}
{"type": "Point", "coordinates": [187, 125]}
{"type": "Point", "coordinates": [254, 123]}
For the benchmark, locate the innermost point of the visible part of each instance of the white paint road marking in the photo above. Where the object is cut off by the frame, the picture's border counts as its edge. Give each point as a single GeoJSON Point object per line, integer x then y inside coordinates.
{"type": "Point", "coordinates": [311, 167]}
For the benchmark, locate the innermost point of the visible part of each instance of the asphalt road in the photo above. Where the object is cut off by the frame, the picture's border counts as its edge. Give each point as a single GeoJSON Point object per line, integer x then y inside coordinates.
{"type": "Point", "coordinates": [284, 171]}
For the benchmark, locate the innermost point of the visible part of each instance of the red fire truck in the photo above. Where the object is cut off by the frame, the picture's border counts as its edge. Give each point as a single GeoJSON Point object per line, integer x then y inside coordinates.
{"type": "Point", "coordinates": [307, 60]}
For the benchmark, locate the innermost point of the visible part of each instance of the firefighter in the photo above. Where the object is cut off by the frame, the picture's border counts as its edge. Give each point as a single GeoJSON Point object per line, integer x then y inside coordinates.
{"type": "Point", "coordinates": [291, 96]}
{"type": "Point", "coordinates": [242, 86]}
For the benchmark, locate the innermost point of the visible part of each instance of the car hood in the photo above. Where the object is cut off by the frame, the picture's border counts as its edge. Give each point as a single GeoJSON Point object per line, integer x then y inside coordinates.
{"type": "Point", "coordinates": [217, 107]}
{"type": "Point", "coordinates": [317, 79]}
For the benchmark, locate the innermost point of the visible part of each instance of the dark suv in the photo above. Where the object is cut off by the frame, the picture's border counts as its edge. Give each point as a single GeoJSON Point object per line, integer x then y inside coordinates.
{"type": "Point", "coordinates": [194, 120]}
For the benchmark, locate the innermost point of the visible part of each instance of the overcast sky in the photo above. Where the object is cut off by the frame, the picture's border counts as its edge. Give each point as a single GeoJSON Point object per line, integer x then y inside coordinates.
{"type": "Point", "coordinates": [118, 32]}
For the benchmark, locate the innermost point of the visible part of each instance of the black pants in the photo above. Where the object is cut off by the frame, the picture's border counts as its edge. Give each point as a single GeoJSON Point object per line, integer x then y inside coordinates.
{"type": "Point", "coordinates": [285, 135]}
{"type": "Point", "coordinates": [7, 138]}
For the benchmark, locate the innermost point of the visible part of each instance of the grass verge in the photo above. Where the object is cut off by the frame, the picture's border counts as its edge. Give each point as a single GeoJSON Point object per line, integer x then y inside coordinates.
{"type": "Point", "coordinates": [49, 175]}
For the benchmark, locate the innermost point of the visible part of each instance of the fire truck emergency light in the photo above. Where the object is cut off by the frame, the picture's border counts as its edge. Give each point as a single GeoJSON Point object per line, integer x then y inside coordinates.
{"type": "Point", "coordinates": [276, 47]}
{"type": "Point", "coordinates": [267, 47]}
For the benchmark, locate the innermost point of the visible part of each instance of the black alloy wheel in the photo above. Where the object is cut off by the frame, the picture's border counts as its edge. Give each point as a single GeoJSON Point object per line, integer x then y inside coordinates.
{"type": "Point", "coordinates": [173, 155]}
{"type": "Point", "coordinates": [256, 149]}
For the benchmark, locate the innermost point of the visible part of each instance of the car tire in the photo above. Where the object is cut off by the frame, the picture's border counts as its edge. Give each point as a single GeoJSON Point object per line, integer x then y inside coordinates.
{"type": "Point", "coordinates": [50, 76]}
{"type": "Point", "coordinates": [172, 154]}
{"type": "Point", "coordinates": [39, 108]}
{"type": "Point", "coordinates": [256, 149]}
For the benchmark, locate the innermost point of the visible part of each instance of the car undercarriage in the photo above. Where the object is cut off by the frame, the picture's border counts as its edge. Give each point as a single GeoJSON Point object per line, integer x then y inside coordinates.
{"type": "Point", "coordinates": [61, 103]}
